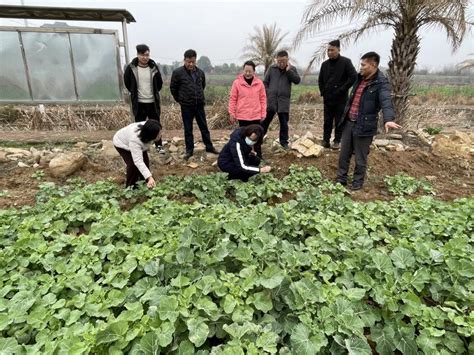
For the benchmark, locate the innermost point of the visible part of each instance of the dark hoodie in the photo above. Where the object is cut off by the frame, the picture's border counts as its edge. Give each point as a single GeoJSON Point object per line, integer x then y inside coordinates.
{"type": "Point", "coordinates": [236, 154]}
{"type": "Point", "coordinates": [130, 78]}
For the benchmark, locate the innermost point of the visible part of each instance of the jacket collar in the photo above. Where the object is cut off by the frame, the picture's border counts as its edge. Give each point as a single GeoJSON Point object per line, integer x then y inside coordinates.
{"type": "Point", "coordinates": [151, 62]}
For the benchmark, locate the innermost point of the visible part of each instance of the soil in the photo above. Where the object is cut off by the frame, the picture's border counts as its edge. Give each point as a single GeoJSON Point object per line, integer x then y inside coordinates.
{"type": "Point", "coordinates": [451, 176]}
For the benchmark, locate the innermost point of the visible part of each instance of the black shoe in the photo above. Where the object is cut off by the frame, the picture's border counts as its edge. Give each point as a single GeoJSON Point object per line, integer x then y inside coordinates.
{"type": "Point", "coordinates": [285, 146]}
{"type": "Point", "coordinates": [188, 155]}
{"type": "Point", "coordinates": [326, 144]}
{"type": "Point", "coordinates": [336, 146]}
{"type": "Point", "coordinates": [159, 149]}
{"type": "Point", "coordinates": [340, 182]}
{"type": "Point", "coordinates": [356, 187]}
{"type": "Point", "coordinates": [212, 150]}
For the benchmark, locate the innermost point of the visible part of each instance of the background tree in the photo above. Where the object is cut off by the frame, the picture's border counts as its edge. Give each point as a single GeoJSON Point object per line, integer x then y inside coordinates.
{"type": "Point", "coordinates": [405, 17]}
{"type": "Point", "coordinates": [265, 42]}
{"type": "Point", "coordinates": [204, 63]}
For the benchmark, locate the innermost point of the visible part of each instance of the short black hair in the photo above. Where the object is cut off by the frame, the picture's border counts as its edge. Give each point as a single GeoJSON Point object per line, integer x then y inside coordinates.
{"type": "Point", "coordinates": [372, 56]}
{"type": "Point", "coordinates": [149, 130]}
{"type": "Point", "coordinates": [251, 129]}
{"type": "Point", "coordinates": [190, 53]}
{"type": "Point", "coordinates": [335, 43]}
{"type": "Point", "coordinates": [282, 54]}
{"type": "Point", "coordinates": [142, 48]}
{"type": "Point", "coordinates": [251, 63]}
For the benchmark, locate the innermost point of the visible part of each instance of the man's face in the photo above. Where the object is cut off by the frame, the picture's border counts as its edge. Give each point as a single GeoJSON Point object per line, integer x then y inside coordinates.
{"type": "Point", "coordinates": [282, 62]}
{"type": "Point", "coordinates": [333, 52]}
{"type": "Point", "coordinates": [143, 57]}
{"type": "Point", "coordinates": [367, 68]}
{"type": "Point", "coordinates": [190, 63]}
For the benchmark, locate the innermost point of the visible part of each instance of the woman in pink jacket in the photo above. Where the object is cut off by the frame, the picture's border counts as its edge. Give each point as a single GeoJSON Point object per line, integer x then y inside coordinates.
{"type": "Point", "coordinates": [248, 101]}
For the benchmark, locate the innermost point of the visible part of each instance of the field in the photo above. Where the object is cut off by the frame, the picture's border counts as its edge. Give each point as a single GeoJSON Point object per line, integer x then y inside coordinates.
{"type": "Point", "coordinates": [288, 263]}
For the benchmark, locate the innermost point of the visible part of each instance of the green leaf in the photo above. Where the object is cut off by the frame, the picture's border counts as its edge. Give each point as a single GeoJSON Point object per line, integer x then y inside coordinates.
{"type": "Point", "coordinates": [205, 304]}
{"type": "Point", "coordinates": [271, 277]}
{"type": "Point", "coordinates": [357, 346]}
{"type": "Point", "coordinates": [355, 294]}
{"type": "Point", "coordinates": [5, 320]}
{"type": "Point", "coordinates": [165, 334]}
{"type": "Point", "coordinates": [186, 348]}
{"type": "Point", "coordinates": [198, 331]}
{"type": "Point", "coordinates": [113, 332]}
{"type": "Point", "coordinates": [229, 304]}
{"type": "Point", "coordinates": [9, 346]}
{"type": "Point", "coordinates": [402, 258]}
{"type": "Point", "coordinates": [304, 344]}
{"type": "Point", "coordinates": [382, 262]}
{"type": "Point", "coordinates": [167, 309]}
{"type": "Point", "coordinates": [427, 343]}
{"type": "Point", "coordinates": [149, 344]}
{"type": "Point", "coordinates": [152, 268]}
{"type": "Point", "coordinates": [384, 338]}
{"type": "Point", "coordinates": [268, 342]}
{"type": "Point", "coordinates": [262, 301]}
{"type": "Point", "coordinates": [184, 255]}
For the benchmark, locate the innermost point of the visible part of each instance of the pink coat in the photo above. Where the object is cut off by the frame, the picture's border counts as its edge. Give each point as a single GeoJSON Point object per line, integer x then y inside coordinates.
{"type": "Point", "coordinates": [247, 102]}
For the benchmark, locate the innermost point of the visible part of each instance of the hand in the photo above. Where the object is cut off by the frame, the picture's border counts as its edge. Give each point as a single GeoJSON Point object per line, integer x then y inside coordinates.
{"type": "Point", "coordinates": [391, 124]}
{"type": "Point", "coordinates": [150, 183]}
{"type": "Point", "coordinates": [232, 119]}
{"type": "Point", "coordinates": [252, 152]}
{"type": "Point", "coordinates": [262, 119]}
{"type": "Point", "coordinates": [288, 66]}
{"type": "Point", "coordinates": [265, 169]}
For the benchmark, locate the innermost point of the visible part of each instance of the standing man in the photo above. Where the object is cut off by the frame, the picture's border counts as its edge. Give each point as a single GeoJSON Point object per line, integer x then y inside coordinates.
{"type": "Point", "coordinates": [370, 94]}
{"type": "Point", "coordinates": [143, 80]}
{"type": "Point", "coordinates": [187, 87]}
{"type": "Point", "coordinates": [336, 77]}
{"type": "Point", "coordinates": [278, 80]}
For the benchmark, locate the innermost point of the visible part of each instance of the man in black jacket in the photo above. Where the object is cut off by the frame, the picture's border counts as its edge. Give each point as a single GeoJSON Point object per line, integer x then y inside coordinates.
{"type": "Point", "coordinates": [370, 94]}
{"type": "Point", "coordinates": [336, 77]}
{"type": "Point", "coordinates": [187, 87]}
{"type": "Point", "coordinates": [143, 80]}
{"type": "Point", "coordinates": [278, 80]}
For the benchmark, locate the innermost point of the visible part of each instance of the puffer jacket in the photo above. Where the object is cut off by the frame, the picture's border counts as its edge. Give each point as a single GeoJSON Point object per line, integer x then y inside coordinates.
{"type": "Point", "coordinates": [188, 91]}
{"type": "Point", "coordinates": [247, 102]}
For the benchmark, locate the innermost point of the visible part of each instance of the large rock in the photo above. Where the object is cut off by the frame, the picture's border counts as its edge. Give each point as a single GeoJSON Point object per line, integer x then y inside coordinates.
{"type": "Point", "coordinates": [381, 142]}
{"type": "Point", "coordinates": [108, 149]}
{"type": "Point", "coordinates": [461, 137]}
{"type": "Point", "coordinates": [307, 147]}
{"type": "Point", "coordinates": [17, 151]}
{"type": "Point", "coordinates": [65, 164]}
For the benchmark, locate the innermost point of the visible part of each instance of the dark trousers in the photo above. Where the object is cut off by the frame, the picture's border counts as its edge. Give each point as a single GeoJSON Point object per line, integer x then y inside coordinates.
{"type": "Point", "coordinates": [235, 173]}
{"type": "Point", "coordinates": [148, 110]}
{"type": "Point", "coordinates": [133, 174]}
{"type": "Point", "coordinates": [258, 146]}
{"type": "Point", "coordinates": [332, 117]}
{"type": "Point", "coordinates": [360, 146]}
{"type": "Point", "coordinates": [284, 117]}
{"type": "Point", "coordinates": [188, 113]}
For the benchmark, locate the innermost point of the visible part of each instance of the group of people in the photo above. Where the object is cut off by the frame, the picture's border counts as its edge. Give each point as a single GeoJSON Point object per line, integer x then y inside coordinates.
{"type": "Point", "coordinates": [253, 103]}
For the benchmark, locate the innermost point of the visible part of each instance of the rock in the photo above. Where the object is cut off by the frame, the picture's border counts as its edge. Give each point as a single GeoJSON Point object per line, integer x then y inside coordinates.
{"type": "Point", "coordinates": [46, 158]}
{"type": "Point", "coordinates": [214, 164]}
{"type": "Point", "coordinates": [65, 164]}
{"type": "Point", "coordinates": [15, 157]}
{"type": "Point", "coordinates": [3, 157]}
{"type": "Point", "coordinates": [16, 151]}
{"type": "Point", "coordinates": [309, 135]}
{"type": "Point", "coordinates": [461, 137]}
{"type": "Point", "coordinates": [430, 177]}
{"type": "Point", "coordinates": [399, 148]}
{"type": "Point", "coordinates": [33, 150]}
{"type": "Point", "coordinates": [36, 157]}
{"type": "Point", "coordinates": [394, 136]}
{"type": "Point", "coordinates": [36, 165]}
{"type": "Point", "coordinates": [57, 150]}
{"type": "Point", "coordinates": [173, 149]}
{"type": "Point", "coordinates": [22, 165]}
{"type": "Point", "coordinates": [81, 145]}
{"type": "Point", "coordinates": [177, 140]}
{"type": "Point", "coordinates": [307, 147]}
{"type": "Point", "coordinates": [458, 144]}
{"type": "Point", "coordinates": [391, 147]}
{"type": "Point", "coordinates": [108, 149]}
{"type": "Point", "coordinates": [381, 142]}
{"type": "Point", "coordinates": [192, 165]}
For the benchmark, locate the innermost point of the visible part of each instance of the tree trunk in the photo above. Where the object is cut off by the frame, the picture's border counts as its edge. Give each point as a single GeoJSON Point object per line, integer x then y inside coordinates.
{"type": "Point", "coordinates": [404, 51]}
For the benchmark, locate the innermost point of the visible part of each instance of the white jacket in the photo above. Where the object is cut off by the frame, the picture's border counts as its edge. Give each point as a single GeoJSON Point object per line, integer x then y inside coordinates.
{"type": "Point", "coordinates": [127, 138]}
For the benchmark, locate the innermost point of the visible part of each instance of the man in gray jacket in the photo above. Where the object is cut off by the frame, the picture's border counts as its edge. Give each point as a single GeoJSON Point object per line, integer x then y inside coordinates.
{"type": "Point", "coordinates": [278, 80]}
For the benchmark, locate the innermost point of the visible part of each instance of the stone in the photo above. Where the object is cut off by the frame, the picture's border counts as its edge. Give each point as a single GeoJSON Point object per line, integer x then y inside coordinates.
{"type": "Point", "coordinates": [57, 150]}
{"type": "Point", "coordinates": [22, 165]}
{"type": "Point", "coordinates": [177, 140]}
{"type": "Point", "coordinates": [309, 136]}
{"type": "Point", "coordinates": [214, 164]}
{"type": "Point", "coordinates": [65, 164]}
{"type": "Point", "coordinates": [399, 148]}
{"type": "Point", "coordinates": [192, 165]}
{"type": "Point", "coordinates": [381, 142]}
{"type": "Point", "coordinates": [391, 147]}
{"type": "Point", "coordinates": [307, 147]}
{"type": "Point", "coordinates": [458, 144]}
{"type": "Point", "coordinates": [17, 151]}
{"type": "Point", "coordinates": [36, 165]}
{"type": "Point", "coordinates": [108, 149]}
{"type": "Point", "coordinates": [461, 137]}
{"type": "Point", "coordinates": [3, 157]}
{"type": "Point", "coordinates": [394, 136]}
{"type": "Point", "coordinates": [81, 145]}
{"type": "Point", "coordinates": [173, 149]}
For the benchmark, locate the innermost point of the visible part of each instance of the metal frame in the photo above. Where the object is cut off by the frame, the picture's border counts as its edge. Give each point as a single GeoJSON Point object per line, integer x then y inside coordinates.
{"type": "Point", "coordinates": [68, 30]}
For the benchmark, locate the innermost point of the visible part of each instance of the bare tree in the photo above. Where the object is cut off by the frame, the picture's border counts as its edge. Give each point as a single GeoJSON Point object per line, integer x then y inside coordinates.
{"type": "Point", "coordinates": [406, 17]}
{"type": "Point", "coordinates": [265, 42]}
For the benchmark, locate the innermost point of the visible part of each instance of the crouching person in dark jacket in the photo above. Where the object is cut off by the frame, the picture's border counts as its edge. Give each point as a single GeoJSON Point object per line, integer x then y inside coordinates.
{"type": "Point", "coordinates": [238, 157]}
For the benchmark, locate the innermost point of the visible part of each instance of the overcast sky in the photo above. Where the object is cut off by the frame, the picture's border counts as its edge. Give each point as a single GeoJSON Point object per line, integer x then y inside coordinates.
{"type": "Point", "coordinates": [219, 30]}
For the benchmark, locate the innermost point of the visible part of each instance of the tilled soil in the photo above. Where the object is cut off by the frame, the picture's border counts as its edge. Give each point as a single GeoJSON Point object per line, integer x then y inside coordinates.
{"type": "Point", "coordinates": [451, 176]}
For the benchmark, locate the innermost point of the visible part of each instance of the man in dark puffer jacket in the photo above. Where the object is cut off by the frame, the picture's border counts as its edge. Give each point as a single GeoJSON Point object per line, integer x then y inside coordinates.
{"type": "Point", "coordinates": [370, 94]}
{"type": "Point", "coordinates": [187, 87]}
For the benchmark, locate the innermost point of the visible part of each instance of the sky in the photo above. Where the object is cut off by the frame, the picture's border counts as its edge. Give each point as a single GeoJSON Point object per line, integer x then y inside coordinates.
{"type": "Point", "coordinates": [219, 29]}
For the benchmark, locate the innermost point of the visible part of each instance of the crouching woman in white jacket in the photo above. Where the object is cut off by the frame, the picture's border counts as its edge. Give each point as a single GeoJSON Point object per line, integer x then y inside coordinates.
{"type": "Point", "coordinates": [132, 142]}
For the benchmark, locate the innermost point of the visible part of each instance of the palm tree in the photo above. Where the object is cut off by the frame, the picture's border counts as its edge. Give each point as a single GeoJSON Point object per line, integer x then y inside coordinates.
{"type": "Point", "coordinates": [264, 44]}
{"type": "Point", "coordinates": [406, 17]}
